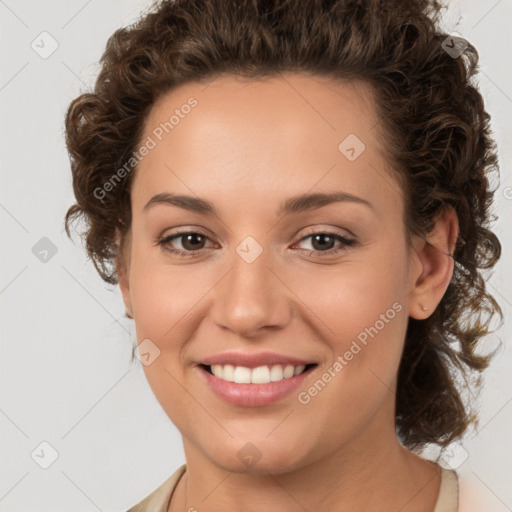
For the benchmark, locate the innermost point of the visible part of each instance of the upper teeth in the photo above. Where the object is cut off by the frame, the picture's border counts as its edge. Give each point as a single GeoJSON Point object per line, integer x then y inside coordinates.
{"type": "Point", "coordinates": [259, 375]}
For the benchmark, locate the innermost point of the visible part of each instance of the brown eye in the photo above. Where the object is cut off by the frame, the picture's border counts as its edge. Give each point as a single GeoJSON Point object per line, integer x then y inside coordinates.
{"type": "Point", "coordinates": [323, 242]}
{"type": "Point", "coordinates": [191, 243]}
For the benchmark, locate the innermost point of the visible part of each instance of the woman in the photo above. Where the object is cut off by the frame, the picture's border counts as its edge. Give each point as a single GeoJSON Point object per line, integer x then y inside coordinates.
{"type": "Point", "coordinates": [294, 200]}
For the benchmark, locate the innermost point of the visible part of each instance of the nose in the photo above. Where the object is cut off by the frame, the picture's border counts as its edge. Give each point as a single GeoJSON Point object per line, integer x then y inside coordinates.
{"type": "Point", "coordinates": [252, 298]}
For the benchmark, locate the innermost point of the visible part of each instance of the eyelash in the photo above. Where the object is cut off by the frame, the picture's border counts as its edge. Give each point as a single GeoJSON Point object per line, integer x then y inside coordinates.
{"type": "Point", "coordinates": [346, 242]}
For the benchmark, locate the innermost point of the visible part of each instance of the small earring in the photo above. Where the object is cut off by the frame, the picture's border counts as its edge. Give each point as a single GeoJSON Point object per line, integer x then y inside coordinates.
{"type": "Point", "coordinates": [423, 308]}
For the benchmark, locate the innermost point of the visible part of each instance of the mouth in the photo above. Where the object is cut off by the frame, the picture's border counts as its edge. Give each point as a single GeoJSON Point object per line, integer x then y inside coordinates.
{"type": "Point", "coordinates": [254, 387]}
{"type": "Point", "coordinates": [260, 375]}
{"type": "Point", "coordinates": [255, 379]}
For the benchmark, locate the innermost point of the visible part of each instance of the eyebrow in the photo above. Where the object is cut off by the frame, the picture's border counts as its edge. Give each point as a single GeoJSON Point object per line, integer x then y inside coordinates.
{"type": "Point", "coordinates": [300, 203]}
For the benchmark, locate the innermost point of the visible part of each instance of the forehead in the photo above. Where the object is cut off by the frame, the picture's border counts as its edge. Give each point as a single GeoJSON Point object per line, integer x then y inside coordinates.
{"type": "Point", "coordinates": [299, 102]}
{"type": "Point", "coordinates": [233, 136]}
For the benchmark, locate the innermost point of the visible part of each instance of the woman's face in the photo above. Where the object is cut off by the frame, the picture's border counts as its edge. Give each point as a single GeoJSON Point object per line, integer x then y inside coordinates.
{"type": "Point", "coordinates": [324, 281]}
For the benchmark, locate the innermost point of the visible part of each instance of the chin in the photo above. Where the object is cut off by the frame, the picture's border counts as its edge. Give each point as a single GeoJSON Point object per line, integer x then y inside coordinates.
{"type": "Point", "coordinates": [258, 457]}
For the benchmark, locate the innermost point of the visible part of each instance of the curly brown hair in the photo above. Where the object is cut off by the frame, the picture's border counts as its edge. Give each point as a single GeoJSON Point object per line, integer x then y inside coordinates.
{"type": "Point", "coordinates": [436, 126]}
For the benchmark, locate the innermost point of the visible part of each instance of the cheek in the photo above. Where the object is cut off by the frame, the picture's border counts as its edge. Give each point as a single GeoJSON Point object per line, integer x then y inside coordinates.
{"type": "Point", "coordinates": [161, 294]}
{"type": "Point", "coordinates": [367, 323]}
{"type": "Point", "coordinates": [360, 309]}
{"type": "Point", "coordinates": [353, 294]}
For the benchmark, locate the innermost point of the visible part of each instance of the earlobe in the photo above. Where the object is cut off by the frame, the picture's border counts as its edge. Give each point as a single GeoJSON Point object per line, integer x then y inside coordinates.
{"type": "Point", "coordinates": [435, 256]}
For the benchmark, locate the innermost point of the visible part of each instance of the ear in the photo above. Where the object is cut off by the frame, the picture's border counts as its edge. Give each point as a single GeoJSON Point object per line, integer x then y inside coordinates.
{"type": "Point", "coordinates": [123, 271]}
{"type": "Point", "coordinates": [433, 265]}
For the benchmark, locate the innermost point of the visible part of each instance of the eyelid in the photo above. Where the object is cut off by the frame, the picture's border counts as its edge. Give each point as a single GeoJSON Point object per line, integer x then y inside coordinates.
{"type": "Point", "coordinates": [346, 242]}
{"type": "Point", "coordinates": [181, 233]}
{"type": "Point", "coordinates": [331, 230]}
{"type": "Point", "coordinates": [310, 231]}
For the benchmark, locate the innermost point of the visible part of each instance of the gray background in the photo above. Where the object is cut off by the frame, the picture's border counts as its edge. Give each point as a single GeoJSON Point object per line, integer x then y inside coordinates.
{"type": "Point", "coordinates": [65, 373]}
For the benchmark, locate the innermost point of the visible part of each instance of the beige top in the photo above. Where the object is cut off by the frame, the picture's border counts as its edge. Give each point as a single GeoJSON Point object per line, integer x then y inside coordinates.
{"type": "Point", "coordinates": [159, 499]}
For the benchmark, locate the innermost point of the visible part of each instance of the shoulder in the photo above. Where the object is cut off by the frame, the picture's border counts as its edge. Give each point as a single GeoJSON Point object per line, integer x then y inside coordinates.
{"type": "Point", "coordinates": [448, 498]}
{"type": "Point", "coordinates": [159, 499]}
{"type": "Point", "coordinates": [463, 491]}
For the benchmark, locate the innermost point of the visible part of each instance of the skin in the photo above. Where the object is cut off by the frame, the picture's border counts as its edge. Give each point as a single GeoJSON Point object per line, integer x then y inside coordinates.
{"type": "Point", "coordinates": [246, 147]}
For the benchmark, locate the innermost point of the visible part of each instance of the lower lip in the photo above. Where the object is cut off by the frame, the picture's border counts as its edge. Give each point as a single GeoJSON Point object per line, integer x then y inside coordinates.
{"type": "Point", "coordinates": [253, 395]}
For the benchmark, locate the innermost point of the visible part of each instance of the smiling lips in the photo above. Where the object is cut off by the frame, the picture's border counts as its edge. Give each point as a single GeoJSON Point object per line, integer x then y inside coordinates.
{"type": "Point", "coordinates": [258, 375]}
{"type": "Point", "coordinates": [254, 368]}
{"type": "Point", "coordinates": [253, 380]}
